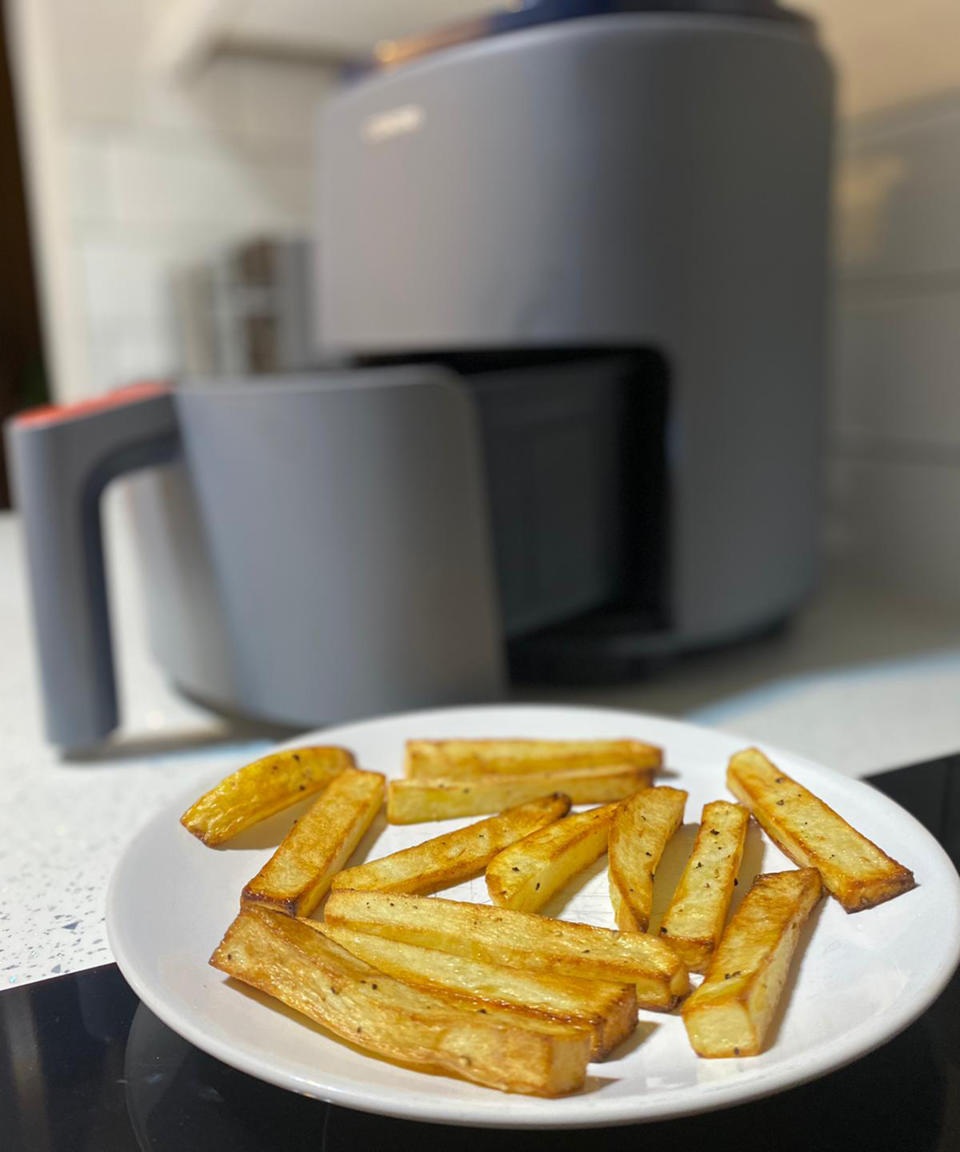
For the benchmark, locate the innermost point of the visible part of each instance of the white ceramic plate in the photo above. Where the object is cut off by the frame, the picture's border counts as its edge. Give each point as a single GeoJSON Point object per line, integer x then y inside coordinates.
{"type": "Point", "coordinates": [857, 981]}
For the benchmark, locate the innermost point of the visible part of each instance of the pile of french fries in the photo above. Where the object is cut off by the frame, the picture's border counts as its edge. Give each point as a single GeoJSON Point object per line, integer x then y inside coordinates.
{"type": "Point", "coordinates": [500, 993]}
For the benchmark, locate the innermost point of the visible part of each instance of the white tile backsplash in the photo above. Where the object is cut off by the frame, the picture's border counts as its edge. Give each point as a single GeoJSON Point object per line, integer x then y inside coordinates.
{"type": "Point", "coordinates": [156, 184]}
{"type": "Point", "coordinates": [896, 524]}
{"type": "Point", "coordinates": [210, 103]}
{"type": "Point", "coordinates": [124, 280]}
{"type": "Point", "coordinates": [895, 411]}
{"type": "Point", "coordinates": [124, 352]}
{"type": "Point", "coordinates": [282, 100]}
{"type": "Point", "coordinates": [899, 194]}
{"type": "Point", "coordinates": [163, 174]}
{"type": "Point", "coordinates": [89, 199]}
{"type": "Point", "coordinates": [898, 365]}
{"type": "Point", "coordinates": [269, 105]}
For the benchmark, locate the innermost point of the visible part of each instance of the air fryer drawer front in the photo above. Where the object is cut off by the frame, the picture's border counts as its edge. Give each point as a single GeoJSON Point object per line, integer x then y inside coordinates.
{"type": "Point", "coordinates": [562, 442]}
{"type": "Point", "coordinates": [549, 436]}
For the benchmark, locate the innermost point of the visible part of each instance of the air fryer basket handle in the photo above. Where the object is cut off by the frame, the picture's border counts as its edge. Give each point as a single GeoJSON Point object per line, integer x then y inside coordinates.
{"type": "Point", "coordinates": [60, 460]}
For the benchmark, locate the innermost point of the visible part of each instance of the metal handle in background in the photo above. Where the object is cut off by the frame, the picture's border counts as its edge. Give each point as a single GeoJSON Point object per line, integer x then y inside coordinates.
{"type": "Point", "coordinates": [60, 461]}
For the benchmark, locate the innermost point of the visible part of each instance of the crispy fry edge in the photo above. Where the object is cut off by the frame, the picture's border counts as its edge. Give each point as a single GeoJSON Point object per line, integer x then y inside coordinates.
{"type": "Point", "coordinates": [534, 942]}
{"type": "Point", "coordinates": [506, 875]}
{"type": "Point", "coordinates": [294, 774]}
{"type": "Point", "coordinates": [404, 1024]}
{"type": "Point", "coordinates": [853, 893]}
{"type": "Point", "coordinates": [631, 893]}
{"type": "Point", "coordinates": [363, 799]}
{"type": "Point", "coordinates": [446, 859]}
{"type": "Point", "coordinates": [697, 951]}
{"type": "Point", "coordinates": [418, 801]}
{"type": "Point", "coordinates": [744, 1004]}
{"type": "Point", "coordinates": [608, 1009]}
{"type": "Point", "coordinates": [465, 758]}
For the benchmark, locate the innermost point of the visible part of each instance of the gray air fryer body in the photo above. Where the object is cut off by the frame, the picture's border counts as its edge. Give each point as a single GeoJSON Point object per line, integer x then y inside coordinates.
{"type": "Point", "coordinates": [615, 228]}
{"type": "Point", "coordinates": [579, 270]}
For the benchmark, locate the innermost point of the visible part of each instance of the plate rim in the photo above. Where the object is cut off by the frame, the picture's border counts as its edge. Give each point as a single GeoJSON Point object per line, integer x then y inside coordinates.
{"type": "Point", "coordinates": [837, 1053]}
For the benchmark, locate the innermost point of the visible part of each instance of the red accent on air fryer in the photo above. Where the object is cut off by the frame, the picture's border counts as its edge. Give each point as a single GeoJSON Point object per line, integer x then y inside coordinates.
{"type": "Point", "coordinates": [60, 413]}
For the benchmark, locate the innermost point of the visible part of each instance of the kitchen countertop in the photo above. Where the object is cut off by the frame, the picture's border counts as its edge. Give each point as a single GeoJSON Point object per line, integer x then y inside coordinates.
{"type": "Point", "coordinates": [860, 680]}
{"type": "Point", "coordinates": [95, 1069]}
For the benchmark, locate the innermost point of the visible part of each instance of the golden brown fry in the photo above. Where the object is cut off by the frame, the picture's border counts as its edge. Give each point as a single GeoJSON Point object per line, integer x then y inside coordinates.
{"type": "Point", "coordinates": [728, 1015]}
{"type": "Point", "coordinates": [260, 789]}
{"type": "Point", "coordinates": [608, 1010]}
{"type": "Point", "coordinates": [694, 921]}
{"type": "Point", "coordinates": [518, 939]}
{"type": "Point", "coordinates": [300, 966]}
{"type": "Point", "coordinates": [529, 872]}
{"type": "Point", "coordinates": [296, 877]}
{"type": "Point", "coordinates": [452, 759]}
{"type": "Point", "coordinates": [455, 856]}
{"type": "Point", "coordinates": [853, 868]}
{"type": "Point", "coordinates": [411, 801]}
{"type": "Point", "coordinates": [641, 829]}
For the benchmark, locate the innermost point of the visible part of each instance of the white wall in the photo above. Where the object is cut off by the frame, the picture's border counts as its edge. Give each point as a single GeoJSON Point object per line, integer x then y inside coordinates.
{"type": "Point", "coordinates": [895, 416]}
{"type": "Point", "coordinates": [133, 178]}
{"type": "Point", "coordinates": [894, 467]}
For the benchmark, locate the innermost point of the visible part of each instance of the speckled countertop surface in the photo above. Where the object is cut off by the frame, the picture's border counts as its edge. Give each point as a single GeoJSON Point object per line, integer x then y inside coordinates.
{"type": "Point", "coordinates": [861, 681]}
{"type": "Point", "coordinates": [64, 823]}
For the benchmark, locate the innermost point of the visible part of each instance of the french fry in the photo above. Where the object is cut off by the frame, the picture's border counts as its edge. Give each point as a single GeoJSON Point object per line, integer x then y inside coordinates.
{"type": "Point", "coordinates": [608, 1010]}
{"type": "Point", "coordinates": [260, 789]}
{"type": "Point", "coordinates": [640, 831]}
{"type": "Point", "coordinates": [729, 1014]}
{"type": "Point", "coordinates": [857, 872]}
{"type": "Point", "coordinates": [453, 759]}
{"type": "Point", "coordinates": [296, 877]}
{"type": "Point", "coordinates": [529, 872]}
{"type": "Point", "coordinates": [694, 922]}
{"type": "Point", "coordinates": [517, 939]}
{"type": "Point", "coordinates": [455, 856]}
{"type": "Point", "coordinates": [314, 975]}
{"type": "Point", "coordinates": [411, 801]}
